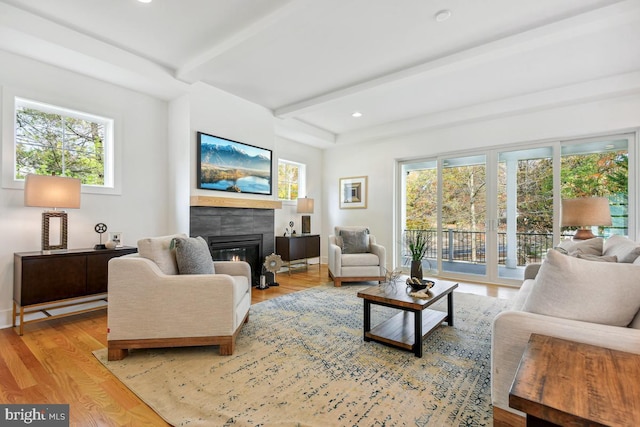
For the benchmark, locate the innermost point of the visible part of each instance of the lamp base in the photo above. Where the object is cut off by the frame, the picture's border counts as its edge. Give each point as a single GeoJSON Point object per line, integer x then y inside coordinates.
{"type": "Point", "coordinates": [46, 229]}
{"type": "Point", "coordinates": [306, 224]}
{"type": "Point", "coordinates": [583, 234]}
{"type": "Point", "coordinates": [100, 246]}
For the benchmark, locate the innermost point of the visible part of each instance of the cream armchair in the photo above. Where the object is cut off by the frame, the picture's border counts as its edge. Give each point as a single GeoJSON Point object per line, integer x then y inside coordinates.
{"type": "Point", "coordinates": [150, 305]}
{"type": "Point", "coordinates": [354, 256]}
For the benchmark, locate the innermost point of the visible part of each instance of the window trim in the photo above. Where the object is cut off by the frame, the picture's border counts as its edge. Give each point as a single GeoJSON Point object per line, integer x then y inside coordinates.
{"type": "Point", "coordinates": [11, 98]}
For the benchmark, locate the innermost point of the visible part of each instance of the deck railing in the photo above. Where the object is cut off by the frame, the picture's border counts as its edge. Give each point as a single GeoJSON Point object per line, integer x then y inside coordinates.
{"type": "Point", "coordinates": [469, 246]}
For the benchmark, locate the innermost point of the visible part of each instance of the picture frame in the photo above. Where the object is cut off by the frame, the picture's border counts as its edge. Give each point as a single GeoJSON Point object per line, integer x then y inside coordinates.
{"type": "Point", "coordinates": [116, 237]}
{"type": "Point", "coordinates": [353, 192]}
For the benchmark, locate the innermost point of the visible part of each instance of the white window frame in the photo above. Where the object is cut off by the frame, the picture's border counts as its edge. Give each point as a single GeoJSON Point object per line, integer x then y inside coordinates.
{"type": "Point", "coordinates": [302, 180]}
{"type": "Point", "coordinates": [13, 99]}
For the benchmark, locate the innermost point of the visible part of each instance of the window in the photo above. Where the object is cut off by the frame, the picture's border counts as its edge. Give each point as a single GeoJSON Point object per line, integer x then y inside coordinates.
{"type": "Point", "coordinates": [51, 140]}
{"type": "Point", "coordinates": [291, 180]}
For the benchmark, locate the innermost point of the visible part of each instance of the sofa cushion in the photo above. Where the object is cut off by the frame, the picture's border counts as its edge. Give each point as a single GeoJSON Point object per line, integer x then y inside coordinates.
{"type": "Point", "coordinates": [626, 250]}
{"type": "Point", "coordinates": [193, 256]}
{"type": "Point", "coordinates": [157, 249]}
{"type": "Point", "coordinates": [355, 241]}
{"type": "Point", "coordinates": [603, 258]}
{"type": "Point", "coordinates": [573, 288]}
{"type": "Point", "coordinates": [588, 247]}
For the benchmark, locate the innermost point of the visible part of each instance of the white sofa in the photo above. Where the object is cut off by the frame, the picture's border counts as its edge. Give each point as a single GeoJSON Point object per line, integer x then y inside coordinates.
{"type": "Point", "coordinates": [567, 297]}
{"type": "Point", "coordinates": [152, 305]}
{"type": "Point", "coordinates": [354, 256]}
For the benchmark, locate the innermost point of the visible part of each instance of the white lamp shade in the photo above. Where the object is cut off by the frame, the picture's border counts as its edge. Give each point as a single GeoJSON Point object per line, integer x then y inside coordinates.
{"type": "Point", "coordinates": [305, 205]}
{"type": "Point", "coordinates": [585, 212]}
{"type": "Point", "coordinates": [51, 191]}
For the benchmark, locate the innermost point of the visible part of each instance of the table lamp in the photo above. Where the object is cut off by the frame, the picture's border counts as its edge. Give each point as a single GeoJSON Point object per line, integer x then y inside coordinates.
{"type": "Point", "coordinates": [54, 192]}
{"type": "Point", "coordinates": [585, 212]}
{"type": "Point", "coordinates": [305, 205]}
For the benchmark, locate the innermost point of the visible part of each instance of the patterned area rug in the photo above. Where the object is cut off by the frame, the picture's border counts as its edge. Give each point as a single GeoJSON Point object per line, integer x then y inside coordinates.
{"type": "Point", "coordinates": [301, 361]}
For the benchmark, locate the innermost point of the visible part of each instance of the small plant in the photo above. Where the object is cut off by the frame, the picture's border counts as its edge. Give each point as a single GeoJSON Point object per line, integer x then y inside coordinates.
{"type": "Point", "coordinates": [418, 243]}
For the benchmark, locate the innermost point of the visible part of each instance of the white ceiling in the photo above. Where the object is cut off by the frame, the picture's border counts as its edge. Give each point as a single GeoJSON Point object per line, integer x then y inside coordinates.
{"type": "Point", "coordinates": [314, 62]}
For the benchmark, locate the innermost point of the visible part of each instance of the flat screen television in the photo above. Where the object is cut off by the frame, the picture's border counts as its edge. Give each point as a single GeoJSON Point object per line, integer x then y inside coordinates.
{"type": "Point", "coordinates": [227, 165]}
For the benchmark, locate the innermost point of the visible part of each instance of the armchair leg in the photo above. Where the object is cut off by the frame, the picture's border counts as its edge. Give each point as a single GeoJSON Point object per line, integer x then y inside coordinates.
{"type": "Point", "coordinates": [117, 354]}
{"type": "Point", "coordinates": [227, 348]}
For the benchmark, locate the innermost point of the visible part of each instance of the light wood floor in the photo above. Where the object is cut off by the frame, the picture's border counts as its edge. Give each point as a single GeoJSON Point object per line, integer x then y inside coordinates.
{"type": "Point", "coordinates": [52, 362]}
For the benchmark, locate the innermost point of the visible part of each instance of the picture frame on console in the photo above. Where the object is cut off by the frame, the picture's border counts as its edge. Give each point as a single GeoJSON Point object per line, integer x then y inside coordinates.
{"type": "Point", "coordinates": [353, 192]}
{"type": "Point", "coordinates": [232, 166]}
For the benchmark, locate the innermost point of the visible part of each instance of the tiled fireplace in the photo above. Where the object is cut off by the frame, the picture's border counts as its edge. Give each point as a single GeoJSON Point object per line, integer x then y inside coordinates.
{"type": "Point", "coordinates": [245, 234]}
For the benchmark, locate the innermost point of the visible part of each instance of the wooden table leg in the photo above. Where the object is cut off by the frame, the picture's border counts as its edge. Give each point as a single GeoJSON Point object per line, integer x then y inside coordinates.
{"type": "Point", "coordinates": [367, 319]}
{"type": "Point", "coordinates": [417, 346]}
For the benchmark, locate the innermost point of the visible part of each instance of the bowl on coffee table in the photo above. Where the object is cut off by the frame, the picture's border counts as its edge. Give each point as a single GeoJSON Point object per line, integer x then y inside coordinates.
{"type": "Point", "coordinates": [419, 284]}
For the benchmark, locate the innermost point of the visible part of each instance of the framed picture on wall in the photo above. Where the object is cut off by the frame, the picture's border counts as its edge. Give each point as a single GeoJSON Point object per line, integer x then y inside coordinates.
{"type": "Point", "coordinates": [353, 192]}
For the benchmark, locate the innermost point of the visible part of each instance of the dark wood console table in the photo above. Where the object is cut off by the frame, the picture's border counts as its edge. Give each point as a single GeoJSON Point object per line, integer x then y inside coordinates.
{"type": "Point", "coordinates": [298, 247]}
{"type": "Point", "coordinates": [52, 283]}
{"type": "Point", "coordinates": [561, 382]}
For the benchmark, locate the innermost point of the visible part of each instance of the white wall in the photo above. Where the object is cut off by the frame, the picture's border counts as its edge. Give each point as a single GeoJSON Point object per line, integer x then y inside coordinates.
{"type": "Point", "coordinates": [141, 129]}
{"type": "Point", "coordinates": [221, 114]}
{"type": "Point", "coordinates": [378, 160]}
{"type": "Point", "coordinates": [312, 158]}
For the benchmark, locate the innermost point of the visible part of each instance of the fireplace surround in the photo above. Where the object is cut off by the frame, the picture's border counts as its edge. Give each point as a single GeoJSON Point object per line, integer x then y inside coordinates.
{"type": "Point", "coordinates": [240, 232]}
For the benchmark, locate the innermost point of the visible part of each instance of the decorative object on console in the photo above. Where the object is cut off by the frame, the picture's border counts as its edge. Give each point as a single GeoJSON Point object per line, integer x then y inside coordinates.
{"type": "Point", "coordinates": [100, 228]}
{"type": "Point", "coordinates": [305, 205]}
{"type": "Point", "coordinates": [353, 192]}
{"type": "Point", "coordinates": [52, 192]}
{"type": "Point", "coordinates": [273, 263]}
{"type": "Point", "coordinates": [227, 165]}
{"type": "Point", "coordinates": [585, 212]}
{"type": "Point", "coordinates": [116, 237]}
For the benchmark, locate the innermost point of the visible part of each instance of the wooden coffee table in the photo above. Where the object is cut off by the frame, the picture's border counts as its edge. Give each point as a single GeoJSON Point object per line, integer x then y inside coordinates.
{"type": "Point", "coordinates": [406, 330]}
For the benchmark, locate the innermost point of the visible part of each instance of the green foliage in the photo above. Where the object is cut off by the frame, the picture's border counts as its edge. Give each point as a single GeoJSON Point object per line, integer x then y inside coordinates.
{"type": "Point", "coordinates": [464, 191]}
{"type": "Point", "coordinates": [52, 144]}
{"type": "Point", "coordinates": [418, 243]}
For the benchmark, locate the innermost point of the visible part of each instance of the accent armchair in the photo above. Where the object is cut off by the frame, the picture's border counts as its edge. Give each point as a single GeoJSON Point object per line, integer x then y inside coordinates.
{"type": "Point", "coordinates": [151, 305]}
{"type": "Point", "coordinates": [354, 256]}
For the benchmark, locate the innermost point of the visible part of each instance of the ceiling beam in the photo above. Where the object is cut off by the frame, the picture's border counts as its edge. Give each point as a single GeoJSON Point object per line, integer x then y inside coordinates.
{"type": "Point", "coordinates": [565, 29]}
{"type": "Point", "coordinates": [194, 70]}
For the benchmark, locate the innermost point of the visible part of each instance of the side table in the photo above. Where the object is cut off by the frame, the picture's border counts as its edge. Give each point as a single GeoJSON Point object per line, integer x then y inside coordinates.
{"type": "Point", "coordinates": [298, 247]}
{"type": "Point", "coordinates": [48, 285]}
{"type": "Point", "coordinates": [561, 382]}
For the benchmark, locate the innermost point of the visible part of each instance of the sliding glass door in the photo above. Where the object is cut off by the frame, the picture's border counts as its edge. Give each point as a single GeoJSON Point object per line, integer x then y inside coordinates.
{"type": "Point", "coordinates": [524, 209]}
{"type": "Point", "coordinates": [464, 215]}
{"type": "Point", "coordinates": [487, 215]}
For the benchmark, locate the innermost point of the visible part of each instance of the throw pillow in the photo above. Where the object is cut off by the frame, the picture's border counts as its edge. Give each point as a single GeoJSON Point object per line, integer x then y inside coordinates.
{"type": "Point", "coordinates": [589, 246]}
{"type": "Point", "coordinates": [354, 242]}
{"type": "Point", "coordinates": [193, 256]}
{"type": "Point", "coordinates": [574, 288]}
{"type": "Point", "coordinates": [626, 250]}
{"type": "Point", "coordinates": [158, 250]}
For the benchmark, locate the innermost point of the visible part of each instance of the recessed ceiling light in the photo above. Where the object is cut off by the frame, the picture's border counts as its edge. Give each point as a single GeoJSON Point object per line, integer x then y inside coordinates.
{"type": "Point", "coordinates": [442, 15]}
{"type": "Point", "coordinates": [356, 114]}
{"type": "Point", "coordinates": [145, 1]}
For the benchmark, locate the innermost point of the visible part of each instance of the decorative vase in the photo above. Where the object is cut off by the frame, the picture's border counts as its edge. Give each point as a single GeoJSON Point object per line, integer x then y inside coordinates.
{"type": "Point", "coordinates": [416, 269]}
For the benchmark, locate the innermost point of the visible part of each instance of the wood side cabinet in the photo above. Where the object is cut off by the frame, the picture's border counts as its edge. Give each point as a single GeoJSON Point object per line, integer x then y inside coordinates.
{"type": "Point", "coordinates": [41, 278]}
{"type": "Point", "coordinates": [298, 247]}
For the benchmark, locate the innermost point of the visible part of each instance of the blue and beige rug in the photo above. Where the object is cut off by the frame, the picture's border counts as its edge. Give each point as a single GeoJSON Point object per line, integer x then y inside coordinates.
{"type": "Point", "coordinates": [301, 361]}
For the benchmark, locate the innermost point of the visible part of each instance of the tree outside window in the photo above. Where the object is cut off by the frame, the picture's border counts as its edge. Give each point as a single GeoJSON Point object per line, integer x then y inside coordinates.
{"type": "Point", "coordinates": [290, 180]}
{"type": "Point", "coordinates": [51, 140]}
